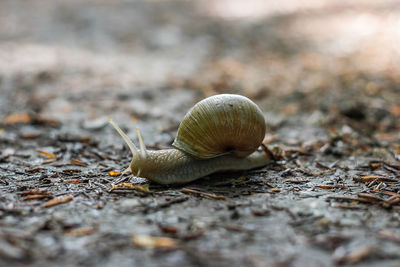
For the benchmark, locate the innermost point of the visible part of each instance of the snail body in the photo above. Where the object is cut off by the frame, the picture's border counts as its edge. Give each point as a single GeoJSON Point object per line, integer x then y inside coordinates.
{"type": "Point", "coordinates": [220, 133]}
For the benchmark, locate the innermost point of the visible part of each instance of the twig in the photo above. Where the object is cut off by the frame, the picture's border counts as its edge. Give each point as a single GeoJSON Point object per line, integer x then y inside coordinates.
{"type": "Point", "coordinates": [195, 192]}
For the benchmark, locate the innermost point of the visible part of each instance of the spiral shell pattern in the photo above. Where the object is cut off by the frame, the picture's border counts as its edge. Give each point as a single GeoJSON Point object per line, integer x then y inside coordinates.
{"type": "Point", "coordinates": [219, 125]}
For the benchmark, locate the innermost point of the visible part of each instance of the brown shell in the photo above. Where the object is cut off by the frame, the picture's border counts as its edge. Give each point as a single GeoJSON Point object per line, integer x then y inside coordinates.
{"type": "Point", "coordinates": [221, 124]}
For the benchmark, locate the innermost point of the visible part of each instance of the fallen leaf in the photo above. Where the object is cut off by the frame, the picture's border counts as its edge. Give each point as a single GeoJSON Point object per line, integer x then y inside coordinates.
{"type": "Point", "coordinates": [321, 172]}
{"type": "Point", "coordinates": [331, 186]}
{"type": "Point", "coordinates": [193, 235]}
{"type": "Point", "coordinates": [168, 228]}
{"type": "Point", "coordinates": [114, 173]}
{"type": "Point", "coordinates": [370, 178]}
{"type": "Point", "coordinates": [35, 170]}
{"type": "Point", "coordinates": [36, 192]}
{"type": "Point", "coordinates": [32, 197]}
{"type": "Point", "coordinates": [58, 201]}
{"type": "Point", "coordinates": [325, 186]}
{"type": "Point", "coordinates": [80, 231]}
{"type": "Point", "coordinates": [388, 192]}
{"type": "Point", "coordinates": [30, 135]}
{"type": "Point", "coordinates": [388, 235]}
{"type": "Point", "coordinates": [262, 212]}
{"type": "Point", "coordinates": [78, 162]}
{"type": "Point", "coordinates": [196, 192]}
{"type": "Point", "coordinates": [370, 197]}
{"type": "Point", "coordinates": [47, 154]}
{"type": "Point", "coordinates": [146, 241]}
{"type": "Point", "coordinates": [144, 188]}
{"type": "Point", "coordinates": [17, 118]}
{"type": "Point", "coordinates": [395, 110]}
{"type": "Point", "coordinates": [375, 165]}
{"type": "Point", "coordinates": [342, 256]}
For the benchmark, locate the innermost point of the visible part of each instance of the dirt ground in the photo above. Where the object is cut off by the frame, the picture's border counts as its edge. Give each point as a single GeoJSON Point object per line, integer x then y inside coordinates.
{"type": "Point", "coordinates": [325, 73]}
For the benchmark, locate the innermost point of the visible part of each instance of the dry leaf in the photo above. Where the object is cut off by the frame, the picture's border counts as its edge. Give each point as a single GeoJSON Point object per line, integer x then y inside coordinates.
{"type": "Point", "coordinates": [370, 178]}
{"type": "Point", "coordinates": [351, 257]}
{"type": "Point", "coordinates": [325, 186]}
{"type": "Point", "coordinates": [36, 192]}
{"type": "Point", "coordinates": [32, 197]}
{"type": "Point", "coordinates": [395, 110]}
{"type": "Point", "coordinates": [388, 192]}
{"type": "Point", "coordinates": [114, 173]}
{"type": "Point", "coordinates": [78, 162]}
{"type": "Point", "coordinates": [80, 231]}
{"type": "Point", "coordinates": [369, 197]}
{"type": "Point", "coordinates": [321, 172]}
{"type": "Point", "coordinates": [58, 201]}
{"type": "Point", "coordinates": [196, 192]}
{"type": "Point", "coordinates": [17, 118]}
{"type": "Point", "coordinates": [144, 188]}
{"type": "Point", "coordinates": [47, 154]}
{"type": "Point", "coordinates": [145, 241]}
{"type": "Point", "coordinates": [170, 229]}
{"type": "Point", "coordinates": [388, 235]}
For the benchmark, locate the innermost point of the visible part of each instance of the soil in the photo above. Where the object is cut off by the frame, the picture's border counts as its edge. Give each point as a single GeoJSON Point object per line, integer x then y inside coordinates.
{"type": "Point", "coordinates": [326, 75]}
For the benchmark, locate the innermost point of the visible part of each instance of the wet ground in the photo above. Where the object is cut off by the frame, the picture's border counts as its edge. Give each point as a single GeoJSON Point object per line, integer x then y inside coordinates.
{"type": "Point", "coordinates": [326, 75]}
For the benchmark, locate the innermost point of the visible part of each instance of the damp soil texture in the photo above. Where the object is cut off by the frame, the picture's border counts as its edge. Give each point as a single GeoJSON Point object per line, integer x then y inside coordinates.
{"type": "Point", "coordinates": [326, 75]}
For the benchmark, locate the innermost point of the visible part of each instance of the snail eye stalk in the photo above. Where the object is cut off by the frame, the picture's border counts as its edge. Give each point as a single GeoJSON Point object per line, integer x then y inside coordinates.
{"type": "Point", "coordinates": [128, 141]}
{"type": "Point", "coordinates": [143, 151]}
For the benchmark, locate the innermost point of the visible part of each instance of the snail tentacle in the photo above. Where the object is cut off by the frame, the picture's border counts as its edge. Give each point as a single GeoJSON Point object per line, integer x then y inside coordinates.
{"type": "Point", "coordinates": [130, 144]}
{"type": "Point", "coordinates": [143, 151]}
{"type": "Point", "coordinates": [128, 141]}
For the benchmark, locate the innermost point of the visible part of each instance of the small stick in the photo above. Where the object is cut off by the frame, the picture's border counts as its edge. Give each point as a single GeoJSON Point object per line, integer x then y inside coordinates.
{"type": "Point", "coordinates": [388, 192]}
{"type": "Point", "coordinates": [57, 201]}
{"type": "Point", "coordinates": [268, 152]}
{"type": "Point", "coordinates": [120, 180]}
{"type": "Point", "coordinates": [195, 192]}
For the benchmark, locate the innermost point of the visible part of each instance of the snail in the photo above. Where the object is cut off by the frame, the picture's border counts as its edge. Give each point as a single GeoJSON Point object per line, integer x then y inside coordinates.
{"type": "Point", "coordinates": [220, 133]}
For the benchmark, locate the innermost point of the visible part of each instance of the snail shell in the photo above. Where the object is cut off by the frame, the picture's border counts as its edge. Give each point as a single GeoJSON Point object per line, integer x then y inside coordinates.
{"type": "Point", "coordinates": [221, 124]}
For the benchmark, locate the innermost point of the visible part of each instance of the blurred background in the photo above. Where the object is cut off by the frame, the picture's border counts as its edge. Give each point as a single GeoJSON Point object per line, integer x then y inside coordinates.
{"type": "Point", "coordinates": [79, 60]}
